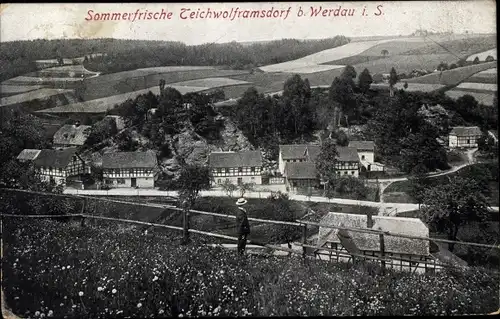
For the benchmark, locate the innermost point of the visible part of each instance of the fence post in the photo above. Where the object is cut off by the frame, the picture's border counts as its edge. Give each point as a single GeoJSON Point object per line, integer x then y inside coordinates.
{"type": "Point", "coordinates": [82, 221]}
{"type": "Point", "coordinates": [185, 226]}
{"type": "Point", "coordinates": [304, 239]}
{"type": "Point", "coordinates": [382, 251]}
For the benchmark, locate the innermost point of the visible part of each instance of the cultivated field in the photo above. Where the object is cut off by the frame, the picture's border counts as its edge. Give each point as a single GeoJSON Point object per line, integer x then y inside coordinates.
{"type": "Point", "coordinates": [344, 51]}
{"type": "Point", "coordinates": [482, 98]}
{"type": "Point", "coordinates": [412, 87]}
{"type": "Point", "coordinates": [16, 89]}
{"type": "Point", "coordinates": [40, 94]}
{"type": "Point", "coordinates": [396, 47]}
{"type": "Point", "coordinates": [28, 80]}
{"type": "Point", "coordinates": [452, 77]}
{"type": "Point", "coordinates": [210, 82]}
{"type": "Point", "coordinates": [405, 63]}
{"type": "Point", "coordinates": [231, 88]}
{"type": "Point", "coordinates": [477, 87]}
{"type": "Point", "coordinates": [129, 81]}
{"type": "Point", "coordinates": [483, 55]}
{"type": "Point", "coordinates": [70, 71]}
{"type": "Point", "coordinates": [486, 76]}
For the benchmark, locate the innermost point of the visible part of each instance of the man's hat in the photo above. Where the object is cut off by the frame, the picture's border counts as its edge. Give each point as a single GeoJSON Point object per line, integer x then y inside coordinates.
{"type": "Point", "coordinates": [241, 201]}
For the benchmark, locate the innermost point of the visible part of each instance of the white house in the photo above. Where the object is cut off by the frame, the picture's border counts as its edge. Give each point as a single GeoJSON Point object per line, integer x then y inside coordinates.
{"type": "Point", "coordinates": [366, 154]}
{"type": "Point", "coordinates": [237, 167]}
{"type": "Point", "coordinates": [130, 169]}
{"type": "Point", "coordinates": [464, 136]}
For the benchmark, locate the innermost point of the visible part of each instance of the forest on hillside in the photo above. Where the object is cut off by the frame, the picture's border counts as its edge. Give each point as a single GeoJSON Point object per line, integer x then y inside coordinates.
{"type": "Point", "coordinates": [17, 57]}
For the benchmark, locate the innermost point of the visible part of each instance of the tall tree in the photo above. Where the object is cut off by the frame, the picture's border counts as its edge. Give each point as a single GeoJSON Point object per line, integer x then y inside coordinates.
{"type": "Point", "coordinates": [365, 80]}
{"type": "Point", "coordinates": [393, 79]}
{"type": "Point", "coordinates": [326, 163]}
{"type": "Point", "coordinates": [192, 180]}
{"type": "Point", "coordinates": [448, 207]}
{"type": "Point", "coordinates": [296, 95]}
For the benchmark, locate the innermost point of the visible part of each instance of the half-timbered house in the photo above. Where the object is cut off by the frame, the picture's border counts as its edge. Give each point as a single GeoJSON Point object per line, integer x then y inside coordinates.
{"type": "Point", "coordinates": [237, 167]}
{"type": "Point", "coordinates": [130, 169]}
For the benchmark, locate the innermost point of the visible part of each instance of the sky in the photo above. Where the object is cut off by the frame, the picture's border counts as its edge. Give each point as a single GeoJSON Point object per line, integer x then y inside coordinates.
{"type": "Point", "coordinates": [57, 20]}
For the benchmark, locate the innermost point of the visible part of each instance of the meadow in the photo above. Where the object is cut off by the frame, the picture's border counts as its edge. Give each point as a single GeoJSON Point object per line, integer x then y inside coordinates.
{"type": "Point", "coordinates": [477, 87]}
{"type": "Point", "coordinates": [60, 269]}
{"type": "Point", "coordinates": [6, 89]}
{"type": "Point", "coordinates": [412, 87]}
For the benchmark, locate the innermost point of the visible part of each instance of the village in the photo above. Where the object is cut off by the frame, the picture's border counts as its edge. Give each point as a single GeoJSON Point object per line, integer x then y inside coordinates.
{"type": "Point", "coordinates": [272, 173]}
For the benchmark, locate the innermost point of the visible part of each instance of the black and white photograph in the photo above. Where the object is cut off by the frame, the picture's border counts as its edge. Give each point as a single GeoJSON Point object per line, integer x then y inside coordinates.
{"type": "Point", "coordinates": [249, 159]}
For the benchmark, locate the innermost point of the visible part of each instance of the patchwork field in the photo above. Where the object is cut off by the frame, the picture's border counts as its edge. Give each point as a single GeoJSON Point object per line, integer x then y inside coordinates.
{"type": "Point", "coordinates": [70, 71]}
{"type": "Point", "coordinates": [483, 55]}
{"type": "Point", "coordinates": [486, 76]}
{"type": "Point", "coordinates": [482, 86]}
{"type": "Point", "coordinates": [210, 82]}
{"type": "Point", "coordinates": [396, 47]}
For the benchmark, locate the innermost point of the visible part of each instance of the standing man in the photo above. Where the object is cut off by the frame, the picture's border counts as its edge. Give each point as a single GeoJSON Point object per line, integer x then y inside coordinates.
{"type": "Point", "coordinates": [242, 225]}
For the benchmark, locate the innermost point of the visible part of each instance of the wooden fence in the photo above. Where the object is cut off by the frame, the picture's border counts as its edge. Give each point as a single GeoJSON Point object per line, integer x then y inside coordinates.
{"type": "Point", "coordinates": [186, 230]}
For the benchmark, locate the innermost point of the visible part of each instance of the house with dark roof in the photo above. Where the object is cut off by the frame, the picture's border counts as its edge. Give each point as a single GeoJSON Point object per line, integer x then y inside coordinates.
{"type": "Point", "coordinates": [71, 135]}
{"type": "Point", "coordinates": [415, 251]}
{"type": "Point", "coordinates": [130, 169]}
{"type": "Point", "coordinates": [301, 175]}
{"type": "Point", "coordinates": [464, 136]}
{"type": "Point", "coordinates": [366, 155]}
{"type": "Point", "coordinates": [59, 165]}
{"type": "Point", "coordinates": [296, 153]}
{"type": "Point", "coordinates": [237, 167]}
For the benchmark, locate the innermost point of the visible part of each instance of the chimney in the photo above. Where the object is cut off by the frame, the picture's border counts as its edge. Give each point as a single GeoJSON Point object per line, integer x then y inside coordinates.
{"type": "Point", "coordinates": [369, 220]}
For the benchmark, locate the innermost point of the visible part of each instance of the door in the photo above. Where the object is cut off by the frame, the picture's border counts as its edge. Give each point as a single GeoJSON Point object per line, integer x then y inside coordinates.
{"type": "Point", "coordinates": [133, 182]}
{"type": "Point", "coordinates": [240, 180]}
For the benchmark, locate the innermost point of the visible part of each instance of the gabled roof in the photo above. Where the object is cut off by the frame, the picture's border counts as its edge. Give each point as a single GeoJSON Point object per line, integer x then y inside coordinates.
{"type": "Point", "coordinates": [293, 151]}
{"type": "Point", "coordinates": [235, 159]}
{"type": "Point", "coordinates": [303, 170]}
{"type": "Point", "coordinates": [55, 158]}
{"type": "Point", "coordinates": [362, 145]}
{"type": "Point", "coordinates": [72, 134]}
{"type": "Point", "coordinates": [313, 152]}
{"type": "Point", "coordinates": [125, 160]}
{"type": "Point", "coordinates": [347, 154]}
{"type": "Point", "coordinates": [371, 242]}
{"type": "Point", "coordinates": [28, 154]}
{"type": "Point", "coordinates": [466, 131]}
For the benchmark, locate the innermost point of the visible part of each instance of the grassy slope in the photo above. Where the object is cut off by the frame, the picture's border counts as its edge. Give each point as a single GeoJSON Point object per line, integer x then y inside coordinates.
{"type": "Point", "coordinates": [118, 271]}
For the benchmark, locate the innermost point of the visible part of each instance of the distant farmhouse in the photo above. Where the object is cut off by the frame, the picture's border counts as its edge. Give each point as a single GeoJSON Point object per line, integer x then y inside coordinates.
{"type": "Point", "coordinates": [464, 136]}
{"type": "Point", "coordinates": [55, 166]}
{"type": "Point", "coordinates": [415, 251]}
{"type": "Point", "coordinates": [297, 163]}
{"type": "Point", "coordinates": [130, 169]}
{"type": "Point", "coordinates": [366, 154]}
{"type": "Point", "coordinates": [237, 167]}
{"type": "Point", "coordinates": [71, 135]}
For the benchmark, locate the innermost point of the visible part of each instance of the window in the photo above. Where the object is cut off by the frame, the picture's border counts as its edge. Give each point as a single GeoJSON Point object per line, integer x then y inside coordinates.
{"type": "Point", "coordinates": [146, 172]}
{"type": "Point", "coordinates": [218, 181]}
{"type": "Point", "coordinates": [131, 171]}
{"type": "Point", "coordinates": [345, 173]}
{"type": "Point", "coordinates": [117, 171]}
{"type": "Point", "coordinates": [219, 170]}
{"type": "Point", "coordinates": [362, 157]}
{"type": "Point", "coordinates": [227, 170]}
{"type": "Point", "coordinates": [252, 178]}
{"type": "Point", "coordinates": [252, 169]}
{"type": "Point", "coordinates": [240, 169]}
{"type": "Point", "coordinates": [352, 172]}
{"type": "Point", "coordinates": [121, 181]}
{"type": "Point", "coordinates": [60, 171]}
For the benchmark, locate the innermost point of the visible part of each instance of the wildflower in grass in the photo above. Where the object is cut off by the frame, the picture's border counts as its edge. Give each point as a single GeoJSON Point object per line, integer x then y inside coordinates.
{"type": "Point", "coordinates": [100, 289]}
{"type": "Point", "coordinates": [80, 294]}
{"type": "Point", "coordinates": [139, 305]}
{"type": "Point", "coordinates": [155, 278]}
{"type": "Point", "coordinates": [113, 291]}
{"type": "Point", "coordinates": [37, 313]}
{"type": "Point", "coordinates": [160, 312]}
{"type": "Point", "coordinates": [50, 314]}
